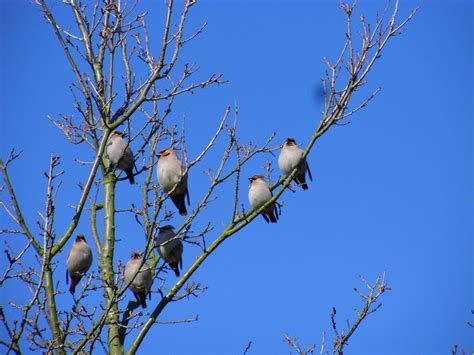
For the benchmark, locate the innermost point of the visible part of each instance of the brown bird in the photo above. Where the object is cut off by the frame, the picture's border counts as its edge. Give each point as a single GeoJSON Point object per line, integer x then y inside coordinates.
{"type": "Point", "coordinates": [170, 174]}
{"type": "Point", "coordinates": [259, 194]}
{"type": "Point", "coordinates": [170, 248]}
{"type": "Point", "coordinates": [140, 284]}
{"type": "Point", "coordinates": [291, 157]}
{"type": "Point", "coordinates": [79, 260]}
{"type": "Point", "coordinates": [120, 154]}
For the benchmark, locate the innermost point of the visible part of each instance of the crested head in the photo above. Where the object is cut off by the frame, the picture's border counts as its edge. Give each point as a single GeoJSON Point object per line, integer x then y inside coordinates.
{"type": "Point", "coordinates": [290, 141]}
{"type": "Point", "coordinates": [166, 152]}
{"type": "Point", "coordinates": [257, 177]}
{"type": "Point", "coordinates": [166, 227]}
{"type": "Point", "coordinates": [136, 255]}
{"type": "Point", "coordinates": [117, 134]}
{"type": "Point", "coordinates": [80, 238]}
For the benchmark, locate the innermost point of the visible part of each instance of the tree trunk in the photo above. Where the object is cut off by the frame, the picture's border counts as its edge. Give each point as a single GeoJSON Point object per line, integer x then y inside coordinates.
{"type": "Point", "coordinates": [52, 310]}
{"type": "Point", "coordinates": [107, 265]}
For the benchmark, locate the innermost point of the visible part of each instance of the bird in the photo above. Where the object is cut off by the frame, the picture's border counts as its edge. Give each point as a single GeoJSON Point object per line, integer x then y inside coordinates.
{"type": "Point", "coordinates": [79, 260]}
{"type": "Point", "coordinates": [291, 157]}
{"type": "Point", "coordinates": [259, 194]}
{"type": "Point", "coordinates": [170, 248]}
{"type": "Point", "coordinates": [120, 154]}
{"type": "Point", "coordinates": [138, 274]}
{"type": "Point", "coordinates": [170, 174]}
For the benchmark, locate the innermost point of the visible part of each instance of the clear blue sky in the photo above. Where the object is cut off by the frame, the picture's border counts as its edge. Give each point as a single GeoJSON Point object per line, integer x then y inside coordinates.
{"type": "Point", "coordinates": [392, 191]}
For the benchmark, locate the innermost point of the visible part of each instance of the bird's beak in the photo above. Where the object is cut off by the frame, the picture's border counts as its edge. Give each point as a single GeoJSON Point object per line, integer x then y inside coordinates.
{"type": "Point", "coordinates": [250, 179]}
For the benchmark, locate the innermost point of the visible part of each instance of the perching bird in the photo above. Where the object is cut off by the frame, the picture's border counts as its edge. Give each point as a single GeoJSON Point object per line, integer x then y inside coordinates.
{"type": "Point", "coordinates": [291, 157]}
{"type": "Point", "coordinates": [170, 172]}
{"type": "Point", "coordinates": [170, 250]}
{"type": "Point", "coordinates": [120, 154]}
{"type": "Point", "coordinates": [259, 194]}
{"type": "Point", "coordinates": [141, 283]}
{"type": "Point", "coordinates": [79, 260]}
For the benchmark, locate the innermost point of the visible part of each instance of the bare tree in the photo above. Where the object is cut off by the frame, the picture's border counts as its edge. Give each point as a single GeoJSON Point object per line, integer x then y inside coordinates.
{"type": "Point", "coordinates": [123, 84]}
{"type": "Point", "coordinates": [370, 299]}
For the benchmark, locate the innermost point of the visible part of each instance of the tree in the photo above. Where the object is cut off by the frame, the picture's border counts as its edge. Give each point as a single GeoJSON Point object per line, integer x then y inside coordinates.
{"type": "Point", "coordinates": [125, 84]}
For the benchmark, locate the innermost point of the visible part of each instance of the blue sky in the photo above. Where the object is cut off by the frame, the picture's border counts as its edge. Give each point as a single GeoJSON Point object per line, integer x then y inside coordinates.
{"type": "Point", "coordinates": [392, 191]}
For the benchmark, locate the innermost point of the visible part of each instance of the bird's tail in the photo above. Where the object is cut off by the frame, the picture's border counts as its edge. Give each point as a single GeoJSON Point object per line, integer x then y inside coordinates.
{"type": "Point", "coordinates": [175, 268]}
{"type": "Point", "coordinates": [129, 173]}
{"type": "Point", "coordinates": [272, 214]}
{"type": "Point", "coordinates": [273, 218]}
{"type": "Point", "coordinates": [74, 281]}
{"type": "Point", "coordinates": [178, 201]}
{"type": "Point", "coordinates": [301, 180]}
{"type": "Point", "coordinates": [141, 297]}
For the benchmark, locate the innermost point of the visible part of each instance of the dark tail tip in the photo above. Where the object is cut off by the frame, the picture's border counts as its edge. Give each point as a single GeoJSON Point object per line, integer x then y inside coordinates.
{"type": "Point", "coordinates": [141, 298]}
{"type": "Point", "coordinates": [74, 282]}
{"type": "Point", "coordinates": [175, 268]}
{"type": "Point", "coordinates": [301, 180]}
{"type": "Point", "coordinates": [129, 173]}
{"type": "Point", "coordinates": [179, 203]}
{"type": "Point", "coordinates": [176, 272]}
{"type": "Point", "coordinates": [273, 215]}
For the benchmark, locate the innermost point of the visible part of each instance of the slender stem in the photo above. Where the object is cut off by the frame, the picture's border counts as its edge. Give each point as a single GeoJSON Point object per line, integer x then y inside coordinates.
{"type": "Point", "coordinates": [16, 206]}
{"type": "Point", "coordinates": [49, 288]}
{"type": "Point", "coordinates": [93, 220]}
